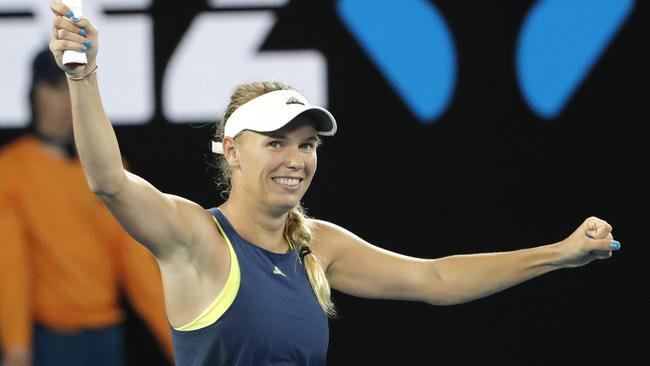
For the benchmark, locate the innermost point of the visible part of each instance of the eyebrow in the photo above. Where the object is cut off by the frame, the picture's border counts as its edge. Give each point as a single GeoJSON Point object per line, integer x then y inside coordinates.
{"type": "Point", "coordinates": [276, 135]}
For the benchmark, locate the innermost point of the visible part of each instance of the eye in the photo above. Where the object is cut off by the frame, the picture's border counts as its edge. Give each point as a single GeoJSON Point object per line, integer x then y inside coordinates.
{"type": "Point", "coordinates": [275, 144]}
{"type": "Point", "coordinates": [308, 146]}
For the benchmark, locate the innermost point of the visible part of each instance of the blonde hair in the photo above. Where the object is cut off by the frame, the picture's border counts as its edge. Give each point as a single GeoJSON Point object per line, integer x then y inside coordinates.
{"type": "Point", "coordinates": [298, 227]}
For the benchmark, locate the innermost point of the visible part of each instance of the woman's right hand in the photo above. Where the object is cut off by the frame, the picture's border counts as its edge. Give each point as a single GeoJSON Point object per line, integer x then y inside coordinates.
{"type": "Point", "coordinates": [70, 32]}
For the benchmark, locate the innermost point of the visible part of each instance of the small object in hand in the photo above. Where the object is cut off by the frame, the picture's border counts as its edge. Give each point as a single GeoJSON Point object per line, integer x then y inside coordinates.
{"type": "Point", "coordinates": [72, 57]}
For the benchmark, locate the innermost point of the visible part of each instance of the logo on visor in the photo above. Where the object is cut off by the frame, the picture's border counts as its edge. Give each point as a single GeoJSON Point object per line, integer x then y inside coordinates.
{"type": "Point", "coordinates": [294, 100]}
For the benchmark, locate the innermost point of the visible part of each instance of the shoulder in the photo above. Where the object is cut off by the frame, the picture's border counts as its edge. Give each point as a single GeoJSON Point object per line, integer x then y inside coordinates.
{"type": "Point", "coordinates": [325, 230]}
{"type": "Point", "coordinates": [329, 239]}
{"type": "Point", "coordinates": [21, 146]}
{"type": "Point", "coordinates": [13, 157]}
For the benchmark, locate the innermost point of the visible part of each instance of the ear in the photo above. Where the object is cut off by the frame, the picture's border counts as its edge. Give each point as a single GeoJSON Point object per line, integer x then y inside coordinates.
{"type": "Point", "coordinates": [230, 151]}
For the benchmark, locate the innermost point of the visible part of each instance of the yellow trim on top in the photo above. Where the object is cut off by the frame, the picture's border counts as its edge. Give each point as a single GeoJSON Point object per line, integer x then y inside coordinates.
{"type": "Point", "coordinates": [225, 298]}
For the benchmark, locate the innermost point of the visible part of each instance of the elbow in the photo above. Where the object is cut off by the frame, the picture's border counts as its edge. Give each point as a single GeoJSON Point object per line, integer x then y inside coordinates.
{"type": "Point", "coordinates": [446, 301]}
{"type": "Point", "coordinates": [446, 298]}
{"type": "Point", "coordinates": [107, 185]}
{"type": "Point", "coordinates": [442, 292]}
{"type": "Point", "coordinates": [441, 299]}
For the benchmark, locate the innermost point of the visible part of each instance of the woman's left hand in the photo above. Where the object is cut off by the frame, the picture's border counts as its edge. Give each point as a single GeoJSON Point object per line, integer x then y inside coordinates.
{"type": "Point", "coordinates": [590, 241]}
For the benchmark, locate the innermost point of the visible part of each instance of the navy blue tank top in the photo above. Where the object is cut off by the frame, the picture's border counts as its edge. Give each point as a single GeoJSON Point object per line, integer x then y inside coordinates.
{"type": "Point", "coordinates": [272, 318]}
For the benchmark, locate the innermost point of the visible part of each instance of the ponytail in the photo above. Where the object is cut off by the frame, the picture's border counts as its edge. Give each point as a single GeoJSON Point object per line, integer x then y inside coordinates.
{"type": "Point", "coordinates": [299, 232]}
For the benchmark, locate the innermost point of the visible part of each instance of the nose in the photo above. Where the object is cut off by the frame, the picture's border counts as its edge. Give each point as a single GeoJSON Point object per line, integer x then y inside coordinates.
{"type": "Point", "coordinates": [294, 159]}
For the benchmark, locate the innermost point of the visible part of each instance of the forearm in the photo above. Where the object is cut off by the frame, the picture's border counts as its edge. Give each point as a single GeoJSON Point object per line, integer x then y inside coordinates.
{"type": "Point", "coordinates": [95, 138]}
{"type": "Point", "coordinates": [468, 277]}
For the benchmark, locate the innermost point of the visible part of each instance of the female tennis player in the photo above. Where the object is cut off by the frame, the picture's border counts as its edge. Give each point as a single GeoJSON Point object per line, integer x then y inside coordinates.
{"type": "Point", "coordinates": [248, 282]}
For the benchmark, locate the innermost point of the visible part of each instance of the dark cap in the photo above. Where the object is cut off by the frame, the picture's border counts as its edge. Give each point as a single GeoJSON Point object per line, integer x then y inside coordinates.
{"type": "Point", "coordinates": [44, 68]}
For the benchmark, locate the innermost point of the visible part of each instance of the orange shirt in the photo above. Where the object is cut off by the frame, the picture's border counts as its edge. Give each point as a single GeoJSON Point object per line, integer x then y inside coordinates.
{"type": "Point", "coordinates": [63, 256]}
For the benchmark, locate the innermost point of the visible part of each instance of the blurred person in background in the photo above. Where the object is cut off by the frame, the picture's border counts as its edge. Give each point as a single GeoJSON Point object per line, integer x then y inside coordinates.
{"type": "Point", "coordinates": [64, 260]}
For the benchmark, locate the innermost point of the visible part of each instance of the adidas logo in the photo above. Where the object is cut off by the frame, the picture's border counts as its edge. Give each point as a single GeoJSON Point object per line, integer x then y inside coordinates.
{"type": "Point", "coordinates": [277, 271]}
{"type": "Point", "coordinates": [294, 100]}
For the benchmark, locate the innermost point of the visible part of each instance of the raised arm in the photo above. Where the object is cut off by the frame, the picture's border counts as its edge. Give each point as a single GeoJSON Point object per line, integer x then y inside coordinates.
{"type": "Point", "coordinates": [161, 222]}
{"type": "Point", "coordinates": [361, 269]}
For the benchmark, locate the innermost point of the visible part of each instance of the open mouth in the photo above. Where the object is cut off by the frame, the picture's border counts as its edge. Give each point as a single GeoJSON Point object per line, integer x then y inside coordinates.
{"type": "Point", "coordinates": [287, 182]}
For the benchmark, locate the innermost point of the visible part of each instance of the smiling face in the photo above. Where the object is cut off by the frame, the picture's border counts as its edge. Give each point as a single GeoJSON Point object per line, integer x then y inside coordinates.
{"type": "Point", "coordinates": [274, 168]}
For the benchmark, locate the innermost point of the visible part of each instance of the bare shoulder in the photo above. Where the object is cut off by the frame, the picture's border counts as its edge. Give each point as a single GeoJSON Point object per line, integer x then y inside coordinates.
{"type": "Point", "coordinates": [329, 239]}
{"type": "Point", "coordinates": [324, 229]}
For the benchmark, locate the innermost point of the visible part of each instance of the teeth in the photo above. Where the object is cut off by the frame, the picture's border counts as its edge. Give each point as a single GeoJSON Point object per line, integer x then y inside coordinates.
{"type": "Point", "coordinates": [287, 181]}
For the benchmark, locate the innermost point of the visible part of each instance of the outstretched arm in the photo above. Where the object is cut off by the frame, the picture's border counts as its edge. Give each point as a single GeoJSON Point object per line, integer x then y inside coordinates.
{"type": "Point", "coordinates": [361, 269]}
{"type": "Point", "coordinates": [162, 222]}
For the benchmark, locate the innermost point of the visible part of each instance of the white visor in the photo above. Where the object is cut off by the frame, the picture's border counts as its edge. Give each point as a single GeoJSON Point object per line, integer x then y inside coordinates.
{"type": "Point", "coordinates": [271, 111]}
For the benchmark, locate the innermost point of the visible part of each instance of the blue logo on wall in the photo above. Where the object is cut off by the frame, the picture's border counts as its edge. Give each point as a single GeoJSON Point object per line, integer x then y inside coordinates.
{"type": "Point", "coordinates": [410, 43]}
{"type": "Point", "coordinates": [559, 43]}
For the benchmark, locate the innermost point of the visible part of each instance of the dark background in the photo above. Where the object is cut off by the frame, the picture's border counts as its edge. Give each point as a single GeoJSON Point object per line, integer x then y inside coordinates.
{"type": "Point", "coordinates": [489, 175]}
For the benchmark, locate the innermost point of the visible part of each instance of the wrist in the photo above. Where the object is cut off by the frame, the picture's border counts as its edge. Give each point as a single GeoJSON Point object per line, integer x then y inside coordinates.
{"type": "Point", "coordinates": [555, 255]}
{"type": "Point", "coordinates": [76, 77]}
